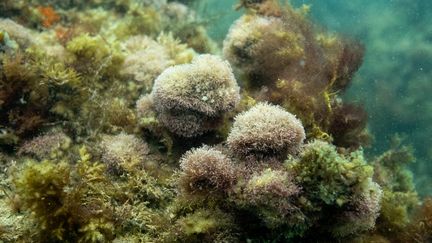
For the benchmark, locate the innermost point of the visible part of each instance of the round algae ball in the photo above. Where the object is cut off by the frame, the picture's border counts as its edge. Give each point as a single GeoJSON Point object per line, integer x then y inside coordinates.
{"type": "Point", "coordinates": [266, 130]}
{"type": "Point", "coordinates": [123, 150]}
{"type": "Point", "coordinates": [245, 38]}
{"type": "Point", "coordinates": [206, 170]}
{"type": "Point", "coordinates": [190, 97]}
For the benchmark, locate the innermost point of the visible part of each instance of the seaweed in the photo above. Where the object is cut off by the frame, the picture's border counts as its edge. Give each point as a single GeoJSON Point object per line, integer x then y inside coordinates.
{"type": "Point", "coordinates": [114, 129]}
{"type": "Point", "coordinates": [57, 195]}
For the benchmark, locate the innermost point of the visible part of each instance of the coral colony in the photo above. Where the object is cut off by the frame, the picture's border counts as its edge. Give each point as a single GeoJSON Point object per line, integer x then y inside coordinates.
{"type": "Point", "coordinates": [122, 121]}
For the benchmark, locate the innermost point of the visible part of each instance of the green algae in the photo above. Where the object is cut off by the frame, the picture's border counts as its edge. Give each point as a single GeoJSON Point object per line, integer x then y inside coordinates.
{"type": "Point", "coordinates": [87, 155]}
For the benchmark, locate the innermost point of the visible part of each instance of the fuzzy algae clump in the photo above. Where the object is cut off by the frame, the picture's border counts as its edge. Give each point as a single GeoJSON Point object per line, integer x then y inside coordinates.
{"type": "Point", "coordinates": [266, 129]}
{"type": "Point", "coordinates": [190, 97]}
{"type": "Point", "coordinates": [206, 170]}
{"type": "Point", "coordinates": [343, 182]}
{"type": "Point", "coordinates": [121, 123]}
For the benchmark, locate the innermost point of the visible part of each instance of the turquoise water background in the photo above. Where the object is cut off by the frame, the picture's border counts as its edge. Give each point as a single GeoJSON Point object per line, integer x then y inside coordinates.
{"type": "Point", "coordinates": [395, 80]}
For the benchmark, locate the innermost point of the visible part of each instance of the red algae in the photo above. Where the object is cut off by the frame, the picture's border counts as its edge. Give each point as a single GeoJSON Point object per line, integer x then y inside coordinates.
{"type": "Point", "coordinates": [49, 16]}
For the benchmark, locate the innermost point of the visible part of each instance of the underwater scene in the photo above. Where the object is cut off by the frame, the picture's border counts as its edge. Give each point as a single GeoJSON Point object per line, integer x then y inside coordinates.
{"type": "Point", "coordinates": [216, 121]}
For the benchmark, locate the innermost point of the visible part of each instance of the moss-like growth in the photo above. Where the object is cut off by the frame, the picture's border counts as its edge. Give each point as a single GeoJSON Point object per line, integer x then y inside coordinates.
{"type": "Point", "coordinates": [94, 56]}
{"type": "Point", "coordinates": [120, 81]}
{"type": "Point", "coordinates": [333, 181]}
{"type": "Point", "coordinates": [139, 20]}
{"type": "Point", "coordinates": [363, 211]}
{"type": "Point", "coordinates": [203, 225]}
{"type": "Point", "coordinates": [64, 200]}
{"type": "Point", "coordinates": [400, 197]}
{"type": "Point", "coordinates": [420, 228]}
{"type": "Point", "coordinates": [23, 102]}
{"type": "Point", "coordinates": [325, 174]}
{"type": "Point", "coordinates": [271, 195]}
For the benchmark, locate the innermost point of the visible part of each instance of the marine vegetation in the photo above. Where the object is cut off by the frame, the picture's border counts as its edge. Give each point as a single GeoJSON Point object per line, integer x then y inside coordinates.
{"type": "Point", "coordinates": [123, 121]}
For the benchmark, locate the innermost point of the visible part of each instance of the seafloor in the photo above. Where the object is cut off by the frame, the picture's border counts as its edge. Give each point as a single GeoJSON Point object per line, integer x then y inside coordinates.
{"type": "Point", "coordinates": [137, 121]}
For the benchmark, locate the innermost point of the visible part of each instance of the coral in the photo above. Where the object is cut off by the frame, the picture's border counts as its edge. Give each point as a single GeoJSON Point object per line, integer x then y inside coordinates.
{"type": "Point", "coordinates": [251, 40]}
{"type": "Point", "coordinates": [266, 130]}
{"type": "Point", "coordinates": [208, 97]}
{"type": "Point", "coordinates": [285, 201]}
{"type": "Point", "coordinates": [190, 97]}
{"type": "Point", "coordinates": [206, 170]}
